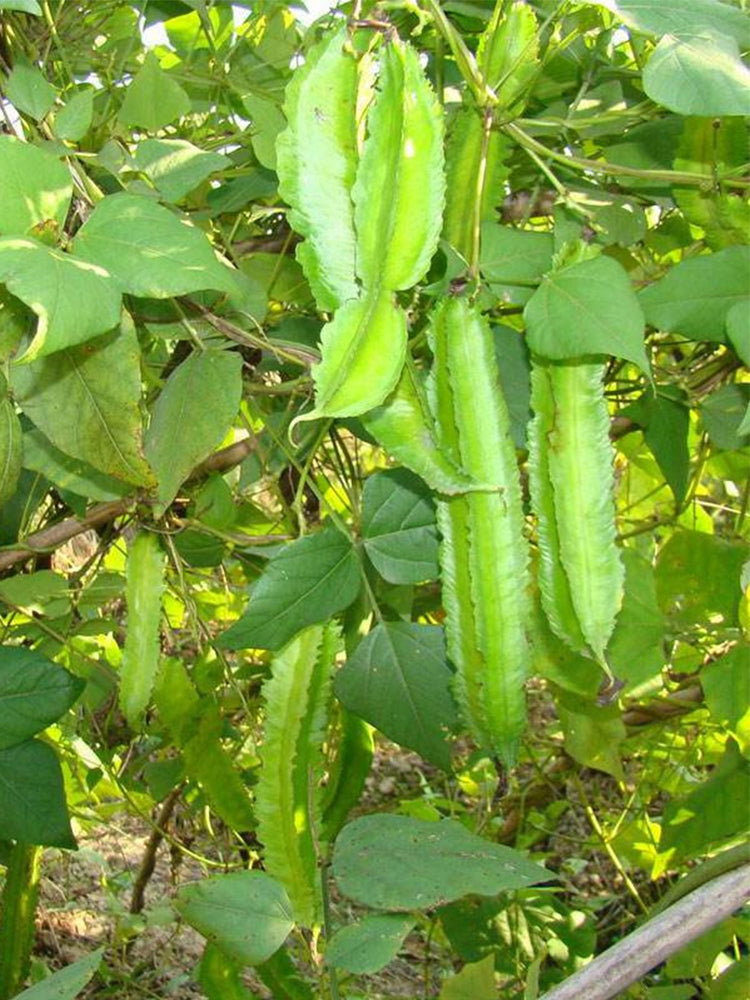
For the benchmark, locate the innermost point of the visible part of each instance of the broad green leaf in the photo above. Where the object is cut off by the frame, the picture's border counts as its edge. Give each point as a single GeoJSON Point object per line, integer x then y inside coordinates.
{"type": "Point", "coordinates": [192, 414]}
{"type": "Point", "coordinates": [665, 419]}
{"type": "Point", "coordinates": [738, 329]}
{"type": "Point", "coordinates": [25, 6]}
{"type": "Point", "coordinates": [593, 733]}
{"type": "Point", "coordinates": [73, 299]}
{"type": "Point", "coordinates": [148, 250]}
{"type": "Point", "coordinates": [67, 983]}
{"type": "Point", "coordinates": [283, 977]}
{"type": "Point", "coordinates": [146, 569]}
{"type": "Point", "coordinates": [398, 680]}
{"type": "Point", "coordinates": [28, 90]}
{"type": "Point", "coordinates": [267, 122]}
{"type": "Point", "coordinates": [730, 985]}
{"type": "Point", "coordinates": [36, 187]}
{"type": "Point", "coordinates": [586, 308]}
{"type": "Point", "coordinates": [700, 74]}
{"type": "Point", "coordinates": [10, 450]}
{"type": "Point", "coordinates": [321, 111]}
{"type": "Point", "coordinates": [288, 800]}
{"type": "Point", "coordinates": [34, 692]}
{"type": "Point", "coordinates": [175, 166]}
{"type": "Point", "coordinates": [219, 976]}
{"type": "Point", "coordinates": [476, 981]}
{"type": "Point", "coordinates": [695, 296]}
{"type": "Point", "coordinates": [369, 945]}
{"type": "Point", "coordinates": [508, 55]}
{"type": "Point", "coordinates": [86, 401]}
{"type": "Point", "coordinates": [307, 582]}
{"type": "Point", "coordinates": [677, 17]}
{"type": "Point", "coordinates": [399, 863]}
{"type": "Point", "coordinates": [398, 527]}
{"type": "Point", "coordinates": [726, 685]}
{"type": "Point", "coordinates": [43, 592]}
{"type": "Point", "coordinates": [697, 958]}
{"type": "Point", "coordinates": [153, 99]}
{"type": "Point", "coordinates": [722, 413]}
{"type": "Point", "coordinates": [463, 155]}
{"type": "Point", "coordinates": [74, 120]}
{"type": "Point", "coordinates": [246, 914]}
{"type": "Point", "coordinates": [404, 426]}
{"type": "Point", "coordinates": [513, 261]}
{"type": "Point", "coordinates": [70, 474]}
{"type": "Point", "coordinates": [403, 155]}
{"type": "Point", "coordinates": [698, 577]}
{"type": "Point", "coordinates": [208, 763]}
{"type": "Point", "coordinates": [363, 350]}
{"type": "Point", "coordinates": [32, 797]}
{"type": "Point", "coordinates": [691, 824]}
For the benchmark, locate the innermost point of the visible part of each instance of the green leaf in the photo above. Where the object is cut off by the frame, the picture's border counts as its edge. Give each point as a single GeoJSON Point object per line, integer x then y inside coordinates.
{"type": "Point", "coordinates": [220, 976]}
{"type": "Point", "coordinates": [403, 155]}
{"type": "Point", "coordinates": [86, 401]}
{"type": "Point", "coordinates": [69, 474]}
{"type": "Point", "coordinates": [398, 527]}
{"type": "Point", "coordinates": [398, 679]}
{"type": "Point", "coordinates": [43, 592]}
{"type": "Point", "coordinates": [191, 417]}
{"type": "Point", "coordinates": [36, 187]}
{"type": "Point", "coordinates": [722, 413]}
{"type": "Point", "coordinates": [726, 685]}
{"type": "Point", "coordinates": [148, 250]}
{"type": "Point", "coordinates": [404, 426]}
{"type": "Point", "coordinates": [593, 733]}
{"type": "Point", "coordinates": [586, 308]}
{"type": "Point", "coordinates": [678, 17]}
{"type": "Point", "coordinates": [74, 300]}
{"type": "Point", "coordinates": [698, 577]}
{"type": "Point", "coordinates": [476, 981]}
{"type": "Point", "coordinates": [665, 419]}
{"type": "Point", "coordinates": [32, 797]}
{"type": "Point", "coordinates": [10, 450]}
{"type": "Point", "coordinates": [363, 350]}
{"type": "Point", "coordinates": [730, 985]}
{"type": "Point", "coordinates": [28, 90]}
{"type": "Point", "coordinates": [246, 914]}
{"type": "Point", "coordinates": [695, 296]}
{"type": "Point", "coordinates": [267, 123]}
{"type": "Point", "coordinates": [399, 863]}
{"type": "Point", "coordinates": [307, 582]}
{"type": "Point", "coordinates": [738, 329]}
{"type": "Point", "coordinates": [369, 945]}
{"type": "Point", "coordinates": [34, 693]}
{"type": "Point", "coordinates": [67, 983]}
{"type": "Point", "coordinates": [513, 261]}
{"type": "Point", "coordinates": [321, 111]}
{"type": "Point", "coordinates": [74, 120]}
{"type": "Point", "coordinates": [153, 99]}
{"type": "Point", "coordinates": [25, 6]}
{"type": "Point", "coordinates": [700, 74]}
{"type": "Point", "coordinates": [175, 166]}
{"type": "Point", "coordinates": [515, 378]}
{"type": "Point", "coordinates": [691, 824]}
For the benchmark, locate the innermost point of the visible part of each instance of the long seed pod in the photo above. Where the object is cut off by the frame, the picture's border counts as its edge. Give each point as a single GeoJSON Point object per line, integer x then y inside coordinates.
{"type": "Point", "coordinates": [140, 656]}
{"type": "Point", "coordinates": [320, 108]}
{"type": "Point", "coordinates": [288, 796]}
{"type": "Point", "coordinates": [483, 553]}
{"type": "Point", "coordinates": [581, 575]}
{"type": "Point", "coordinates": [348, 771]}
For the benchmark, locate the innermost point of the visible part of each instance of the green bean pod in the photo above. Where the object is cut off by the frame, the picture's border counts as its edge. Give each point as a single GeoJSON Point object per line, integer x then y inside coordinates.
{"type": "Point", "coordinates": [483, 552]}
{"type": "Point", "coordinates": [581, 576]}
{"type": "Point", "coordinates": [145, 585]}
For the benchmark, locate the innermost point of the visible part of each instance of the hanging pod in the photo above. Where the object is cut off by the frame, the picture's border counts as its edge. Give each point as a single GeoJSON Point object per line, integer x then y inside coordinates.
{"type": "Point", "coordinates": [483, 552]}
{"type": "Point", "coordinates": [581, 575]}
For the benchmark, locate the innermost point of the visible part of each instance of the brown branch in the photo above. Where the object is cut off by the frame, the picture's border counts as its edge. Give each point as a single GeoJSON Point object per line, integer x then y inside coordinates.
{"type": "Point", "coordinates": [630, 959]}
{"type": "Point", "coordinates": [148, 861]}
{"type": "Point", "coordinates": [55, 535]}
{"type": "Point", "coordinates": [660, 709]}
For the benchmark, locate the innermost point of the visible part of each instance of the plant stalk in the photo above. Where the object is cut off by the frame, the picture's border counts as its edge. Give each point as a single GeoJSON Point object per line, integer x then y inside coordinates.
{"type": "Point", "coordinates": [19, 900]}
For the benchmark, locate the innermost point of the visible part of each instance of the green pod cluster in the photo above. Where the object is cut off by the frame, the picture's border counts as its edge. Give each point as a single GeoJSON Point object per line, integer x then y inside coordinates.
{"type": "Point", "coordinates": [288, 794]}
{"type": "Point", "coordinates": [483, 553]}
{"type": "Point", "coordinates": [581, 575]}
{"type": "Point", "coordinates": [371, 223]}
{"type": "Point", "coordinates": [145, 583]}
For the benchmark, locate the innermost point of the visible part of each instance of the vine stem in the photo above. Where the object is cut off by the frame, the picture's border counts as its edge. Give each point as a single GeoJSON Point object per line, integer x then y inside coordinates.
{"type": "Point", "coordinates": [654, 941]}
{"type": "Point", "coordinates": [19, 900]}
